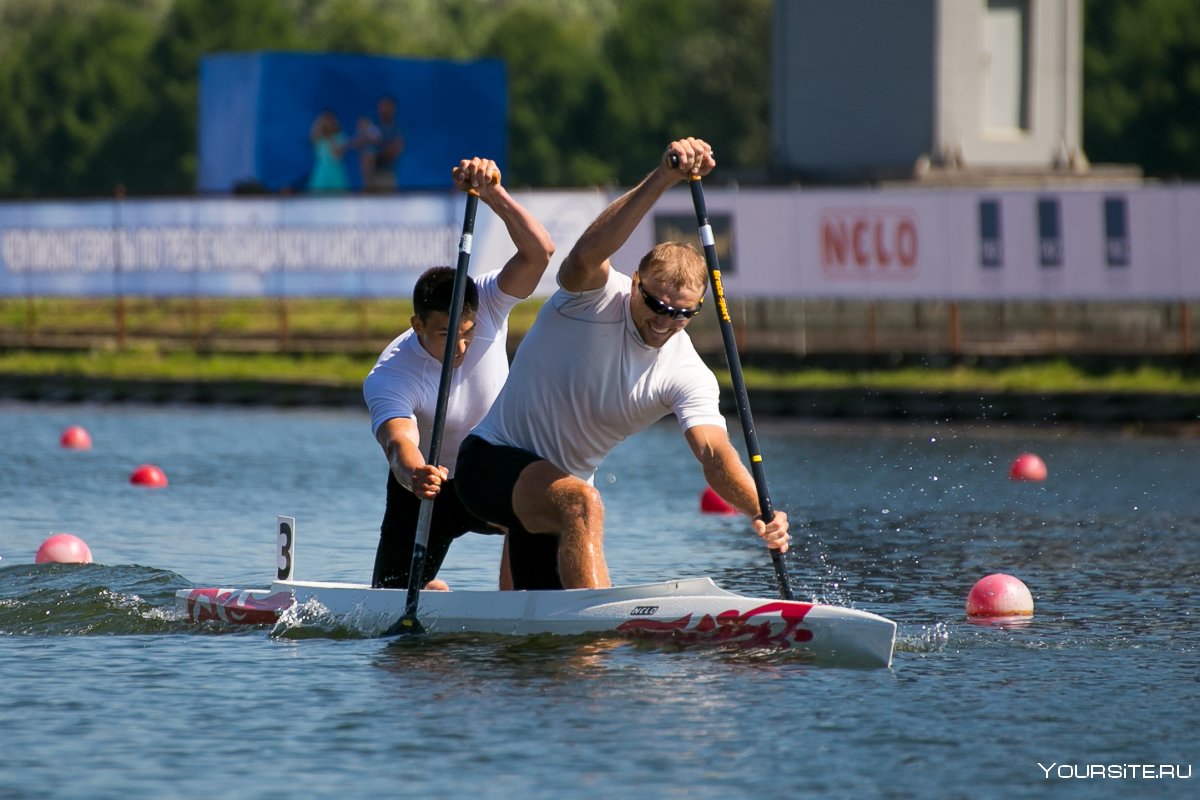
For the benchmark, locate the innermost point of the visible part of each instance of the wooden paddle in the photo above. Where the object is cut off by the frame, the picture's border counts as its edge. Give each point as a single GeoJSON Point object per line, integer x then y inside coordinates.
{"type": "Point", "coordinates": [735, 374]}
{"type": "Point", "coordinates": [408, 624]}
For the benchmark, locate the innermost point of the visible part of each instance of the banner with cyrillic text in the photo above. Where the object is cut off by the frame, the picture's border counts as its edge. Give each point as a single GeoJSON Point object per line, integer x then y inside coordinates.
{"type": "Point", "coordinates": [1103, 243]}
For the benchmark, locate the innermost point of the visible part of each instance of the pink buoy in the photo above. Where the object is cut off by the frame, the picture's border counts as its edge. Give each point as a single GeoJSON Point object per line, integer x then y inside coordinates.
{"type": "Point", "coordinates": [713, 503]}
{"type": "Point", "coordinates": [999, 595]}
{"type": "Point", "coordinates": [63, 548]}
{"type": "Point", "coordinates": [148, 475]}
{"type": "Point", "coordinates": [1027, 467]}
{"type": "Point", "coordinates": [76, 438]}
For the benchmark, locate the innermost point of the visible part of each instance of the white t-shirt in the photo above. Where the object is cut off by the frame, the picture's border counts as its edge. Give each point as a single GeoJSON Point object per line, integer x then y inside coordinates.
{"type": "Point", "coordinates": [404, 381]}
{"type": "Point", "coordinates": [583, 380]}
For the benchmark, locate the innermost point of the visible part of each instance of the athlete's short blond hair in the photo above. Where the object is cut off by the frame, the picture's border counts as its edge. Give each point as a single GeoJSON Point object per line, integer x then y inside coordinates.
{"type": "Point", "coordinates": [676, 264]}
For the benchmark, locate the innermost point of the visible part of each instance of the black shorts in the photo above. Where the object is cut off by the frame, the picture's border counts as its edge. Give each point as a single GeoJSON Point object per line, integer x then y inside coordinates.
{"type": "Point", "coordinates": [393, 558]}
{"type": "Point", "coordinates": [486, 474]}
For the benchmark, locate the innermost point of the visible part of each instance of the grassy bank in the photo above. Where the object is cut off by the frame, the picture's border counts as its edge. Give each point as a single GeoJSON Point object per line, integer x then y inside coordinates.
{"type": "Point", "coordinates": [348, 370]}
{"type": "Point", "coordinates": [1049, 377]}
{"type": "Point", "coordinates": [165, 333]}
{"type": "Point", "coordinates": [373, 319]}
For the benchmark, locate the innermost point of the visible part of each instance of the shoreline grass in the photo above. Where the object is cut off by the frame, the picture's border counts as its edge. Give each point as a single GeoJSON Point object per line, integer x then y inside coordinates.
{"type": "Point", "coordinates": [1056, 376]}
{"type": "Point", "coordinates": [357, 322]}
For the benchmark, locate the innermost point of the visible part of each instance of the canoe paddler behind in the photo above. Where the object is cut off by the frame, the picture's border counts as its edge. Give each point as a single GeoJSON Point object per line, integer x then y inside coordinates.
{"type": "Point", "coordinates": [607, 357]}
{"type": "Point", "coordinates": [402, 388]}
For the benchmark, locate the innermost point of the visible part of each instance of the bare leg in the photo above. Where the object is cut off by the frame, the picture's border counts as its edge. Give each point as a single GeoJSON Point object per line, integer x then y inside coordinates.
{"type": "Point", "coordinates": [549, 501]}
{"type": "Point", "coordinates": [506, 581]}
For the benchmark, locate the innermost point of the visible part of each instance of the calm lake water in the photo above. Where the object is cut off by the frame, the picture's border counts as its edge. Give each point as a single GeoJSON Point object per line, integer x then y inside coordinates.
{"type": "Point", "coordinates": [104, 693]}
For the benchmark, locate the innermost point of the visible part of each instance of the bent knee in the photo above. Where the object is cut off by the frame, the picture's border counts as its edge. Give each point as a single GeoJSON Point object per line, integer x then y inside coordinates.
{"type": "Point", "coordinates": [576, 501]}
{"type": "Point", "coordinates": [588, 497]}
{"type": "Point", "coordinates": [556, 504]}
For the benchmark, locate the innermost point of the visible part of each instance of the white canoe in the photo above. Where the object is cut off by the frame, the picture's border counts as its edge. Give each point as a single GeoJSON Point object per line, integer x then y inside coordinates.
{"type": "Point", "coordinates": [688, 610]}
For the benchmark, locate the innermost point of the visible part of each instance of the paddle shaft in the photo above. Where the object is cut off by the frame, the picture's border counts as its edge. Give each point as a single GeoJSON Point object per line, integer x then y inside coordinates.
{"type": "Point", "coordinates": [408, 623]}
{"type": "Point", "coordinates": [739, 382]}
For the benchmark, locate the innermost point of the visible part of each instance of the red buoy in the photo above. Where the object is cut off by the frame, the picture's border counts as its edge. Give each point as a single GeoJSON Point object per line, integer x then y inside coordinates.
{"type": "Point", "coordinates": [148, 475]}
{"type": "Point", "coordinates": [63, 548]}
{"type": "Point", "coordinates": [1027, 467]}
{"type": "Point", "coordinates": [76, 438]}
{"type": "Point", "coordinates": [713, 503]}
{"type": "Point", "coordinates": [999, 595]}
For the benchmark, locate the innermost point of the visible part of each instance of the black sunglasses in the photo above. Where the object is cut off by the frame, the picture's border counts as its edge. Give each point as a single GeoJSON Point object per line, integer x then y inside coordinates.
{"type": "Point", "coordinates": [663, 310]}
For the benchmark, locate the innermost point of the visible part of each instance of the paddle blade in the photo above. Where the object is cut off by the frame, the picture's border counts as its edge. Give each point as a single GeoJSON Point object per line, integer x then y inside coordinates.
{"type": "Point", "coordinates": [408, 625]}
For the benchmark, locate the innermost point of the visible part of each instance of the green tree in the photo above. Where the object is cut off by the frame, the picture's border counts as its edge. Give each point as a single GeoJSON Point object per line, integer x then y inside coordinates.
{"type": "Point", "coordinates": [692, 68]}
{"type": "Point", "coordinates": [99, 92]}
{"type": "Point", "coordinates": [558, 95]}
{"type": "Point", "coordinates": [412, 28]}
{"type": "Point", "coordinates": [608, 84]}
{"type": "Point", "coordinates": [1141, 99]}
{"type": "Point", "coordinates": [69, 78]}
{"type": "Point", "coordinates": [165, 128]}
{"type": "Point", "coordinates": [353, 26]}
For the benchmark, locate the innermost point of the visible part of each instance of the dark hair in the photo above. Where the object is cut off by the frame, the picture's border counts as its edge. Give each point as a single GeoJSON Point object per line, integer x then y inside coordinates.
{"type": "Point", "coordinates": [435, 289]}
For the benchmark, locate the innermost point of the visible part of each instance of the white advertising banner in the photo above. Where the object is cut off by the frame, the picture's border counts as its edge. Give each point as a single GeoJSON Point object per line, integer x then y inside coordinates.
{"type": "Point", "coordinates": [1115, 243]}
{"type": "Point", "coordinates": [951, 244]}
{"type": "Point", "coordinates": [565, 215]}
{"type": "Point", "coordinates": [1186, 223]}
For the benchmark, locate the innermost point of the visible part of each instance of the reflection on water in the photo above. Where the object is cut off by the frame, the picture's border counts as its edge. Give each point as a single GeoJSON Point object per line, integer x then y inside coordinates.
{"type": "Point", "coordinates": [451, 658]}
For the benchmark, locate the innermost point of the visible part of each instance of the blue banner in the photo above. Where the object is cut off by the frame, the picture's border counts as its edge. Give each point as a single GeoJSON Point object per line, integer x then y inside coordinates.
{"type": "Point", "coordinates": [256, 112]}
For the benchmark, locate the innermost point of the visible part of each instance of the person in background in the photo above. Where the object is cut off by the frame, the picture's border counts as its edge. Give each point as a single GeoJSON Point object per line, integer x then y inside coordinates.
{"type": "Point", "coordinates": [607, 357]}
{"type": "Point", "coordinates": [329, 146]}
{"type": "Point", "coordinates": [366, 139]}
{"type": "Point", "coordinates": [380, 148]}
{"type": "Point", "coordinates": [401, 389]}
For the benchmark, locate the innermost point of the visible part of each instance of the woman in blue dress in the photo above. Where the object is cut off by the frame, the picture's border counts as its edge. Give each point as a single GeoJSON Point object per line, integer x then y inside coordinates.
{"type": "Point", "coordinates": [329, 145]}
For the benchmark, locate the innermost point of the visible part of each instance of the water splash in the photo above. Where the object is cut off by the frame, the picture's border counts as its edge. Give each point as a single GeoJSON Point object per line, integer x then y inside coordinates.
{"type": "Point", "coordinates": [926, 639]}
{"type": "Point", "coordinates": [312, 620]}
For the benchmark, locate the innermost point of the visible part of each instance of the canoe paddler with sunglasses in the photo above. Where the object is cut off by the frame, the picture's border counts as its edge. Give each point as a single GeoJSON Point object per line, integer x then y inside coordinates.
{"type": "Point", "coordinates": [607, 357]}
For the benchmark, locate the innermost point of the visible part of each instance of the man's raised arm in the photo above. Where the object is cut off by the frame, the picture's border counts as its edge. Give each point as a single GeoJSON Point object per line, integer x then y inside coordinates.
{"type": "Point", "coordinates": [521, 275]}
{"type": "Point", "coordinates": [586, 266]}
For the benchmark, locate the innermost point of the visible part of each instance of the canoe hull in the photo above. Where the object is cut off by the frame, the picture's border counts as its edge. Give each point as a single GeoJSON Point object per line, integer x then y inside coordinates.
{"type": "Point", "coordinates": [234, 606]}
{"type": "Point", "coordinates": [687, 610]}
{"type": "Point", "coordinates": [690, 610]}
